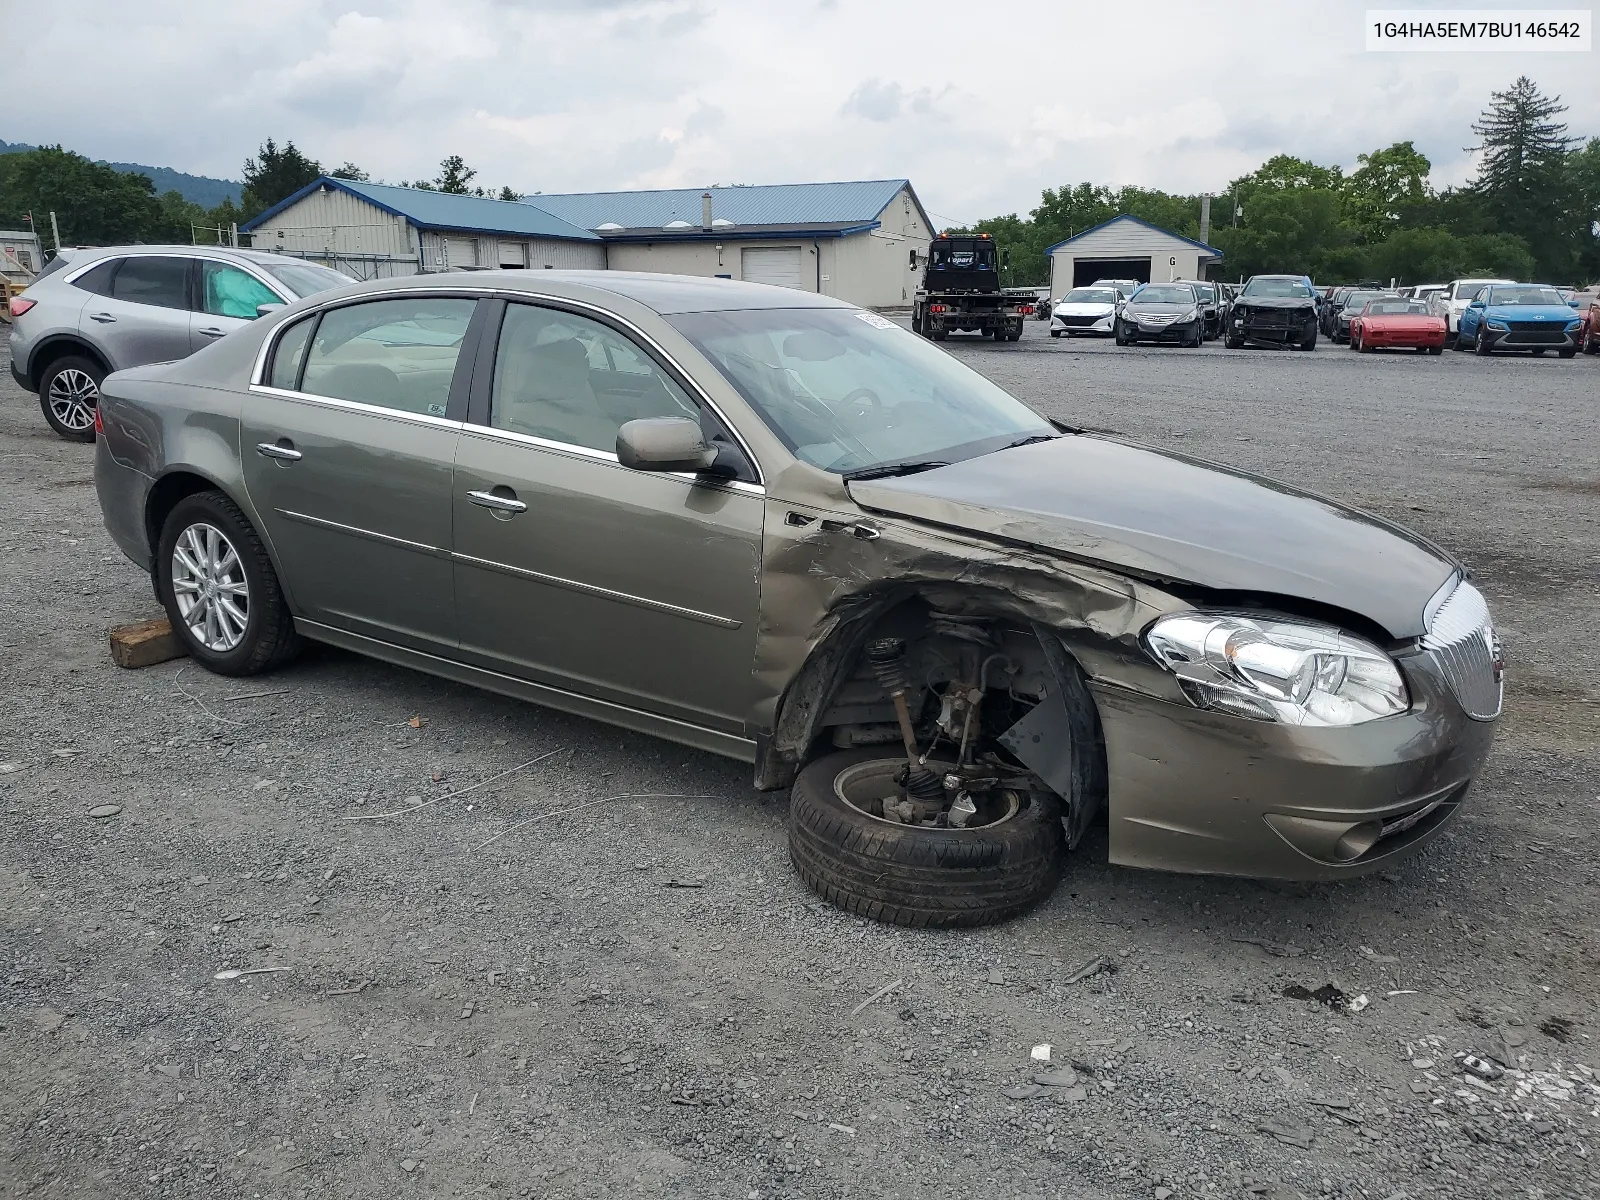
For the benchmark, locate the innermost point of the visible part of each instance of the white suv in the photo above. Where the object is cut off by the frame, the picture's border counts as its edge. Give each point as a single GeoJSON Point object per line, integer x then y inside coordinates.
{"type": "Point", "coordinates": [1453, 300]}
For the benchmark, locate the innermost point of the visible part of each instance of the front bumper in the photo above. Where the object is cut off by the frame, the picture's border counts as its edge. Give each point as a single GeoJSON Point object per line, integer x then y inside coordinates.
{"type": "Point", "coordinates": [1174, 332]}
{"type": "Point", "coordinates": [1197, 791]}
{"type": "Point", "coordinates": [1275, 329]}
{"type": "Point", "coordinates": [1098, 327]}
{"type": "Point", "coordinates": [1518, 339]}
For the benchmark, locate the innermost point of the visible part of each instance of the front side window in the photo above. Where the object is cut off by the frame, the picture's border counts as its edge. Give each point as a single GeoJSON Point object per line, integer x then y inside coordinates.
{"type": "Point", "coordinates": [398, 354]}
{"type": "Point", "coordinates": [848, 391]}
{"type": "Point", "coordinates": [571, 379]}
{"type": "Point", "coordinates": [160, 281]}
{"type": "Point", "coordinates": [229, 292]}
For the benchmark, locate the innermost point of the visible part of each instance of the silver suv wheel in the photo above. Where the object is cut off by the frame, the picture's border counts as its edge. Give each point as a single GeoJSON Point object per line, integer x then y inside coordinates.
{"type": "Point", "coordinates": [72, 396]}
{"type": "Point", "coordinates": [209, 586]}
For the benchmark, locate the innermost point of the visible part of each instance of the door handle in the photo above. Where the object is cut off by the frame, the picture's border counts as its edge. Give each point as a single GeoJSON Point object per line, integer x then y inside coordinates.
{"type": "Point", "coordinates": [213, 331]}
{"type": "Point", "coordinates": [278, 451]}
{"type": "Point", "coordinates": [490, 500]}
{"type": "Point", "coordinates": [103, 318]}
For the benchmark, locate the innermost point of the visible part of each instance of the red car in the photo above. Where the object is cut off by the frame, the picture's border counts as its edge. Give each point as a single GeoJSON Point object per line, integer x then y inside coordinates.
{"type": "Point", "coordinates": [1393, 322]}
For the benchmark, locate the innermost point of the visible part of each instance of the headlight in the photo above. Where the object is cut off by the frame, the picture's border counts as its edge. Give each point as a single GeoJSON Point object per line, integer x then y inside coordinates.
{"type": "Point", "coordinates": [1278, 669]}
{"type": "Point", "coordinates": [1571, 325]}
{"type": "Point", "coordinates": [1501, 325]}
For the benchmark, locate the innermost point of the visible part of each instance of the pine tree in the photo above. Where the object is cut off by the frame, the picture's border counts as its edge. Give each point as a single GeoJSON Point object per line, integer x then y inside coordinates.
{"type": "Point", "coordinates": [1523, 174]}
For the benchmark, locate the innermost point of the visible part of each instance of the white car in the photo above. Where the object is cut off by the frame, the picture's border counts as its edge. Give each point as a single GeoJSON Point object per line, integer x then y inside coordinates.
{"type": "Point", "coordinates": [1090, 310]}
{"type": "Point", "coordinates": [1452, 301]}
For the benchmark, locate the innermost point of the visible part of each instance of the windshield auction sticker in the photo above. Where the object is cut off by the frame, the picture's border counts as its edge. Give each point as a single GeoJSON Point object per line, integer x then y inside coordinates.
{"type": "Point", "coordinates": [875, 320]}
{"type": "Point", "coordinates": [1453, 30]}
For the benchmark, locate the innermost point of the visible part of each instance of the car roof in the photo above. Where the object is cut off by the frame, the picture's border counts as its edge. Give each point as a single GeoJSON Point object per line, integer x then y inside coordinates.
{"type": "Point", "coordinates": [89, 253]}
{"type": "Point", "coordinates": [663, 293]}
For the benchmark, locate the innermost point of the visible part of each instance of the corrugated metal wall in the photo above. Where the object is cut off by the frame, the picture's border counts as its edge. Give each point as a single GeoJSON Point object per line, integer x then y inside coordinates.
{"type": "Point", "coordinates": [457, 251]}
{"type": "Point", "coordinates": [339, 222]}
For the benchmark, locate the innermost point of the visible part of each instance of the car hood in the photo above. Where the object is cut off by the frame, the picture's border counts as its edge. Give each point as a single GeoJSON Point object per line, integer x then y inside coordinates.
{"type": "Point", "coordinates": [1275, 302]}
{"type": "Point", "coordinates": [1553, 313]}
{"type": "Point", "coordinates": [1166, 517]}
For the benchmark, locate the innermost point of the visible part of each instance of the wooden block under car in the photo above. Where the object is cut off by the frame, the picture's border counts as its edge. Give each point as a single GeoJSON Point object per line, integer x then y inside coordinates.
{"type": "Point", "coordinates": [144, 644]}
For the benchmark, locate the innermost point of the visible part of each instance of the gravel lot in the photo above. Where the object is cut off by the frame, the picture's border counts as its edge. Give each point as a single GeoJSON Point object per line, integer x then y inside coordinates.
{"type": "Point", "coordinates": [511, 991]}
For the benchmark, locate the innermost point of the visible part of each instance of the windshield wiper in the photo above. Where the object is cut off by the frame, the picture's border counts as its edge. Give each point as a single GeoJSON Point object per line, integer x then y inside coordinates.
{"type": "Point", "coordinates": [1031, 440]}
{"type": "Point", "coordinates": [887, 470]}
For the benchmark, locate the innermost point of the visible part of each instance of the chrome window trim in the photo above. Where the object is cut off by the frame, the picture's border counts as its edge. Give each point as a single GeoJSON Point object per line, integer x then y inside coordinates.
{"type": "Point", "coordinates": [605, 456]}
{"type": "Point", "coordinates": [604, 593]}
{"type": "Point", "coordinates": [276, 288]}
{"type": "Point", "coordinates": [376, 410]}
{"type": "Point", "coordinates": [263, 353]}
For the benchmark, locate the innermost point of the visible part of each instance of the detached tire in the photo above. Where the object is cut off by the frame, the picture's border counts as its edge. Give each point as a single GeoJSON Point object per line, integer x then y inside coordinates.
{"type": "Point", "coordinates": [915, 876]}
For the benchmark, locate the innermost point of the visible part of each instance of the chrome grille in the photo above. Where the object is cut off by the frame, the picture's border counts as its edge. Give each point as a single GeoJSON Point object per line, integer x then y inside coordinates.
{"type": "Point", "coordinates": [1461, 639]}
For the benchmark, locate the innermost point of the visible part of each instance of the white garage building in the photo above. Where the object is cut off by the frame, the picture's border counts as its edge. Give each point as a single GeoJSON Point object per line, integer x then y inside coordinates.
{"type": "Point", "coordinates": [862, 241]}
{"type": "Point", "coordinates": [1127, 248]}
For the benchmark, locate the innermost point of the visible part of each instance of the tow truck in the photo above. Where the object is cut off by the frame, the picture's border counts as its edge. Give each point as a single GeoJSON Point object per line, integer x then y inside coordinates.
{"type": "Point", "coordinates": [961, 291]}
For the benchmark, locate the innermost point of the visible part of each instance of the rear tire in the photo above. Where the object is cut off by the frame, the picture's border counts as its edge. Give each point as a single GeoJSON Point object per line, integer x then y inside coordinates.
{"type": "Point", "coordinates": [916, 876]}
{"type": "Point", "coordinates": [233, 559]}
{"type": "Point", "coordinates": [69, 395]}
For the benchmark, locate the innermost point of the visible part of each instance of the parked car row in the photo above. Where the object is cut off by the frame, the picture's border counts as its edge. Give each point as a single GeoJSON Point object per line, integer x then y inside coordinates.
{"type": "Point", "coordinates": [440, 471]}
{"type": "Point", "coordinates": [1185, 312]}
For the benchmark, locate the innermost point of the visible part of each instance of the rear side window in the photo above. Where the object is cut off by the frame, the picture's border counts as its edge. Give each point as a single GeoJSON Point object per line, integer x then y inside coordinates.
{"type": "Point", "coordinates": [289, 353]}
{"type": "Point", "coordinates": [398, 354]}
{"type": "Point", "coordinates": [98, 279]}
{"type": "Point", "coordinates": [162, 282]}
{"type": "Point", "coordinates": [229, 292]}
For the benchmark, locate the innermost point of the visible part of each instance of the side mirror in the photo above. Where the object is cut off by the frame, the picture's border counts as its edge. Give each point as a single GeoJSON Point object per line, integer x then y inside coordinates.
{"type": "Point", "coordinates": [913, 254]}
{"type": "Point", "coordinates": [1005, 257]}
{"type": "Point", "coordinates": [1573, 303]}
{"type": "Point", "coordinates": [664, 444]}
{"type": "Point", "coordinates": [1476, 303]}
{"type": "Point", "coordinates": [264, 309]}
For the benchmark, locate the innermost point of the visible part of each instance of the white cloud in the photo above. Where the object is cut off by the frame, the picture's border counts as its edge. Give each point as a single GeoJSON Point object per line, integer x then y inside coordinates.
{"type": "Point", "coordinates": [599, 94]}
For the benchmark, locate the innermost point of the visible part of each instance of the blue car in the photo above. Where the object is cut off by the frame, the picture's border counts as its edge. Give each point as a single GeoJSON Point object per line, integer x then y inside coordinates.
{"type": "Point", "coordinates": [1519, 316]}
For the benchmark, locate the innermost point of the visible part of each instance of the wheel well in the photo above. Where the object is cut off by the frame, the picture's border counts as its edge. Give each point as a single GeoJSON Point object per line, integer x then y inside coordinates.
{"type": "Point", "coordinates": [837, 699]}
{"type": "Point", "coordinates": [59, 348]}
{"type": "Point", "coordinates": [165, 496]}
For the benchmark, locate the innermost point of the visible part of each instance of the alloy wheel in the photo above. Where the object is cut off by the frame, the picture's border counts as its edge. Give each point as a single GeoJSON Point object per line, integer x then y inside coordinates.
{"type": "Point", "coordinates": [209, 586]}
{"type": "Point", "coordinates": [73, 396]}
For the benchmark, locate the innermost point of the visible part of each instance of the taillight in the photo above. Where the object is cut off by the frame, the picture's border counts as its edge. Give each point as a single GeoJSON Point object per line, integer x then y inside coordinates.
{"type": "Point", "coordinates": [1026, 309]}
{"type": "Point", "coordinates": [99, 426]}
{"type": "Point", "coordinates": [936, 308]}
{"type": "Point", "coordinates": [20, 305]}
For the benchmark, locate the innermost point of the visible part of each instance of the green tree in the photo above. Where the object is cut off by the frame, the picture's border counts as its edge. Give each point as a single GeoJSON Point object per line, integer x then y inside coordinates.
{"type": "Point", "coordinates": [455, 177]}
{"type": "Point", "coordinates": [1288, 230]}
{"type": "Point", "coordinates": [351, 172]}
{"type": "Point", "coordinates": [1523, 178]}
{"type": "Point", "coordinates": [507, 194]}
{"type": "Point", "coordinates": [94, 204]}
{"type": "Point", "coordinates": [275, 174]}
{"type": "Point", "coordinates": [1388, 184]}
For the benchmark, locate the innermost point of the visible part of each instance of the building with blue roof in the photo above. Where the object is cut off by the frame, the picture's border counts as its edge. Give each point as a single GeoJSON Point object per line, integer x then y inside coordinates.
{"type": "Point", "coordinates": [862, 240]}
{"type": "Point", "coordinates": [1126, 247]}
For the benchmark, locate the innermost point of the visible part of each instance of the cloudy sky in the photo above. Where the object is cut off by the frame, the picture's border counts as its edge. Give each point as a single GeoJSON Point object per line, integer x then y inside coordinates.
{"type": "Point", "coordinates": [980, 106]}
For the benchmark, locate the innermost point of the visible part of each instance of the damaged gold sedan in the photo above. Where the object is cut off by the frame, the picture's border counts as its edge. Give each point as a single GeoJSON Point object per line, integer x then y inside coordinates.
{"type": "Point", "coordinates": [771, 525]}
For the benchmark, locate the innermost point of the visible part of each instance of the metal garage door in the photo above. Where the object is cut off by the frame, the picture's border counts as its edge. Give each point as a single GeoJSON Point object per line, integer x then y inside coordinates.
{"type": "Point", "coordinates": [513, 254]}
{"type": "Point", "coordinates": [460, 252]}
{"type": "Point", "coordinates": [780, 266]}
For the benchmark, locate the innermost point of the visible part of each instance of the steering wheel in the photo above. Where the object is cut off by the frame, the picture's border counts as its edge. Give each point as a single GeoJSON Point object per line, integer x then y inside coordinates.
{"type": "Point", "coordinates": [863, 393]}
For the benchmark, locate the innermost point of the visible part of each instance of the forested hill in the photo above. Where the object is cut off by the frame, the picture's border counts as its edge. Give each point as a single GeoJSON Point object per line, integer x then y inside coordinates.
{"type": "Point", "coordinates": [197, 189]}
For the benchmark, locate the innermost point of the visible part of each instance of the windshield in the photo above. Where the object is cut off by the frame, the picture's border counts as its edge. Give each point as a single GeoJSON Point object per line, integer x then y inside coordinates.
{"type": "Point", "coordinates": [1163, 294]}
{"type": "Point", "coordinates": [1524, 295]}
{"type": "Point", "coordinates": [978, 255]}
{"type": "Point", "coordinates": [307, 279]}
{"type": "Point", "coordinates": [847, 390]}
{"type": "Point", "coordinates": [1355, 300]}
{"type": "Point", "coordinates": [1395, 306]}
{"type": "Point", "coordinates": [1090, 296]}
{"type": "Point", "coordinates": [1205, 291]}
{"type": "Point", "coordinates": [1277, 288]}
{"type": "Point", "coordinates": [1467, 289]}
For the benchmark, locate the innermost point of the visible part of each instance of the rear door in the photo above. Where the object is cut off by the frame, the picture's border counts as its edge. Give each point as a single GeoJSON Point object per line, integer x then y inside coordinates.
{"type": "Point", "coordinates": [636, 588]}
{"type": "Point", "coordinates": [145, 317]}
{"type": "Point", "coordinates": [348, 447]}
{"type": "Point", "coordinates": [228, 299]}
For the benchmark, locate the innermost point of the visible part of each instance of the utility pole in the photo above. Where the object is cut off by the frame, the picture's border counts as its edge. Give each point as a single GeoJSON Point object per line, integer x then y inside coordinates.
{"type": "Point", "coordinates": [55, 229]}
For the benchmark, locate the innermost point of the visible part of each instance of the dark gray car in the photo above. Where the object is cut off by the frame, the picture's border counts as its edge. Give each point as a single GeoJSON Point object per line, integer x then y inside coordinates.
{"type": "Point", "coordinates": [100, 310]}
{"type": "Point", "coordinates": [1161, 312]}
{"type": "Point", "coordinates": [777, 527]}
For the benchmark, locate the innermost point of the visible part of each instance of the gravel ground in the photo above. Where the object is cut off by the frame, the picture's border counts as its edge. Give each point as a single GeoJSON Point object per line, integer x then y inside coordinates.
{"type": "Point", "coordinates": [596, 975]}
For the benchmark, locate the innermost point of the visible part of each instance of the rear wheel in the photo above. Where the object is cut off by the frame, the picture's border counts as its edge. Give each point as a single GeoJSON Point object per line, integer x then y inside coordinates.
{"type": "Point", "coordinates": [912, 874]}
{"type": "Point", "coordinates": [219, 588]}
{"type": "Point", "coordinates": [69, 394]}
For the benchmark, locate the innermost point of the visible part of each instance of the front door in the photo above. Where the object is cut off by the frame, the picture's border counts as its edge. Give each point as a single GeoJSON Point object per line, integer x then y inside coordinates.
{"type": "Point", "coordinates": [228, 300]}
{"type": "Point", "coordinates": [145, 316]}
{"type": "Point", "coordinates": [633, 587]}
{"type": "Point", "coordinates": [348, 452]}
